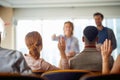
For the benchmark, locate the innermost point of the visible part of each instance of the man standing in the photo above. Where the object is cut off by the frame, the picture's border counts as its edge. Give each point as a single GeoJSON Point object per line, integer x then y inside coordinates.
{"type": "Point", "coordinates": [104, 32]}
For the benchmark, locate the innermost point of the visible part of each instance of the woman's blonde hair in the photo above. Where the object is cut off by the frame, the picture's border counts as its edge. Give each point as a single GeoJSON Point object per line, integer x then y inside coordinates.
{"type": "Point", "coordinates": [33, 40]}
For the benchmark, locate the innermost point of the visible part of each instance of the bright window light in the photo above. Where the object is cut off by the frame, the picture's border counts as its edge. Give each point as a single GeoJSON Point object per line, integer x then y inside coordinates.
{"type": "Point", "coordinates": [47, 28]}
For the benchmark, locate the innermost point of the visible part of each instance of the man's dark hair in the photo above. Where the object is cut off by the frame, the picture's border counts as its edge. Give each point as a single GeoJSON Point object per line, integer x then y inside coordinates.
{"type": "Point", "coordinates": [98, 14]}
{"type": "Point", "coordinates": [90, 32]}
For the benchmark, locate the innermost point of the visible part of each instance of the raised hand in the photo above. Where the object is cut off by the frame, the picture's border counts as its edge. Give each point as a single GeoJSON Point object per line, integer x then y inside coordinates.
{"type": "Point", "coordinates": [63, 61]}
{"type": "Point", "coordinates": [106, 48]}
{"type": "Point", "coordinates": [54, 36]}
{"type": "Point", "coordinates": [61, 44]}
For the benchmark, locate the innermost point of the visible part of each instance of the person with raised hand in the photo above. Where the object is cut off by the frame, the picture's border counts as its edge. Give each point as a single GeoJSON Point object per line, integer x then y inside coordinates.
{"type": "Point", "coordinates": [106, 50]}
{"type": "Point", "coordinates": [34, 44]}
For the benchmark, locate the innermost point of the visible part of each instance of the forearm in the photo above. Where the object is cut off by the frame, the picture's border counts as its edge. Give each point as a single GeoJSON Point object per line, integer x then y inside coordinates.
{"type": "Point", "coordinates": [116, 66]}
{"type": "Point", "coordinates": [63, 55]}
{"type": "Point", "coordinates": [63, 61]}
{"type": "Point", "coordinates": [64, 64]}
{"type": "Point", "coordinates": [105, 66]}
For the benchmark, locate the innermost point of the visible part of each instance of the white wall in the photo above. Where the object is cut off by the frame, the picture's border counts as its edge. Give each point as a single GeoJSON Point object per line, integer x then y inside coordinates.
{"type": "Point", "coordinates": [62, 13]}
{"type": "Point", "coordinates": [7, 15]}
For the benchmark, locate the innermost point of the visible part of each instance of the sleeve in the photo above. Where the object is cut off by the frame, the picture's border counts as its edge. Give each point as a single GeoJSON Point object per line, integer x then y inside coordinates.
{"type": "Point", "coordinates": [75, 46]}
{"type": "Point", "coordinates": [111, 36]}
{"type": "Point", "coordinates": [21, 64]}
{"type": "Point", "coordinates": [56, 38]}
{"type": "Point", "coordinates": [47, 66]}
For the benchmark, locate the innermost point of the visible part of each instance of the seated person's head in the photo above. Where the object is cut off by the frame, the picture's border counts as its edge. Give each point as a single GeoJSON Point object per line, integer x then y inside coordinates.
{"type": "Point", "coordinates": [33, 41]}
{"type": "Point", "coordinates": [90, 34]}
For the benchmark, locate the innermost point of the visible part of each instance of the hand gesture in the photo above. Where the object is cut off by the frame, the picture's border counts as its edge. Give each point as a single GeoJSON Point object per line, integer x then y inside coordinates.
{"type": "Point", "coordinates": [54, 36]}
{"type": "Point", "coordinates": [61, 44]}
{"type": "Point", "coordinates": [106, 49]}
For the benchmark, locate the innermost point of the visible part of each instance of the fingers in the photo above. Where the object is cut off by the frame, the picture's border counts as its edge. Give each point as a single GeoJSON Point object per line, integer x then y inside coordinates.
{"type": "Point", "coordinates": [106, 48]}
{"type": "Point", "coordinates": [102, 48]}
{"type": "Point", "coordinates": [109, 46]}
{"type": "Point", "coordinates": [61, 43]}
{"type": "Point", "coordinates": [106, 44]}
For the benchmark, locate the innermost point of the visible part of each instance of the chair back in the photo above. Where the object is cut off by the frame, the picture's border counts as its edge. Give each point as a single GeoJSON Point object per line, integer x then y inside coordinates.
{"type": "Point", "coordinates": [64, 74]}
{"type": "Point", "coordinates": [37, 72]}
{"type": "Point", "coordinates": [101, 77]}
{"type": "Point", "coordinates": [11, 76]}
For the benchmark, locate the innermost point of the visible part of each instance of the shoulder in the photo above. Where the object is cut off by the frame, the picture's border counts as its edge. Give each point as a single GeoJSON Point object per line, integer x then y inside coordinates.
{"type": "Point", "coordinates": [29, 58]}
{"type": "Point", "coordinates": [109, 29]}
{"type": "Point", "coordinates": [40, 60]}
{"type": "Point", "coordinates": [76, 57]}
{"type": "Point", "coordinates": [9, 51]}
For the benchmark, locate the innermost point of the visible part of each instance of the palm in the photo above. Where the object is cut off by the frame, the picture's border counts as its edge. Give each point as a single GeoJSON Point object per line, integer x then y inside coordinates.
{"type": "Point", "coordinates": [106, 48]}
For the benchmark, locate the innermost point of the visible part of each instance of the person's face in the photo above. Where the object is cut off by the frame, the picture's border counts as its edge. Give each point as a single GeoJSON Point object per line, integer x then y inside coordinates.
{"type": "Point", "coordinates": [98, 20]}
{"type": "Point", "coordinates": [68, 29]}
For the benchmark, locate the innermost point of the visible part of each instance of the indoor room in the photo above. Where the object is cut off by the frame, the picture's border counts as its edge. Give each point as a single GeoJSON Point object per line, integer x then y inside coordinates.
{"type": "Point", "coordinates": [19, 17]}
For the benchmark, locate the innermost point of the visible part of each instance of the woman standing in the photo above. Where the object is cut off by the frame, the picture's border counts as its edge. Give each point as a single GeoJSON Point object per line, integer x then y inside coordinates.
{"type": "Point", "coordinates": [72, 46]}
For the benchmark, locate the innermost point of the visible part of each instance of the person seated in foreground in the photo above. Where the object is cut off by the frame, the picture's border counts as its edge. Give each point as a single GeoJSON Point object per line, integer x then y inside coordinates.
{"type": "Point", "coordinates": [90, 58]}
{"type": "Point", "coordinates": [106, 50]}
{"type": "Point", "coordinates": [12, 61]}
{"type": "Point", "coordinates": [33, 42]}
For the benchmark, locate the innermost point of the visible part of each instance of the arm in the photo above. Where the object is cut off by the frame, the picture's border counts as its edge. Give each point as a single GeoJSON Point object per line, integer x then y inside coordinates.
{"type": "Point", "coordinates": [54, 37]}
{"type": "Point", "coordinates": [106, 50]}
{"type": "Point", "coordinates": [116, 66]}
{"type": "Point", "coordinates": [111, 36]}
{"type": "Point", "coordinates": [21, 64]}
{"type": "Point", "coordinates": [64, 61]}
{"type": "Point", "coordinates": [45, 66]}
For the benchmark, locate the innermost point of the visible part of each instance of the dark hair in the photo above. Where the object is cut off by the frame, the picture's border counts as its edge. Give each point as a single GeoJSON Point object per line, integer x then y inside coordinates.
{"type": "Point", "coordinates": [100, 14]}
{"type": "Point", "coordinates": [68, 22]}
{"type": "Point", "coordinates": [90, 32]}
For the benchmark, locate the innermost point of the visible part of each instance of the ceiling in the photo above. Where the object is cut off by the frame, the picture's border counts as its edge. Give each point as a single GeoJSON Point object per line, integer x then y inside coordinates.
{"type": "Point", "coordinates": [57, 3]}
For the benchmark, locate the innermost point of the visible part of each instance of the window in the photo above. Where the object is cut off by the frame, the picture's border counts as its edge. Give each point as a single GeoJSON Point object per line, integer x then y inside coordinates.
{"type": "Point", "coordinates": [47, 28]}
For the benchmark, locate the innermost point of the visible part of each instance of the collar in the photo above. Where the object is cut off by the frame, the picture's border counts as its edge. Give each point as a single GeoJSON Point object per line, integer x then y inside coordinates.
{"type": "Point", "coordinates": [90, 46]}
{"type": "Point", "coordinates": [90, 49]}
{"type": "Point", "coordinates": [102, 29]}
